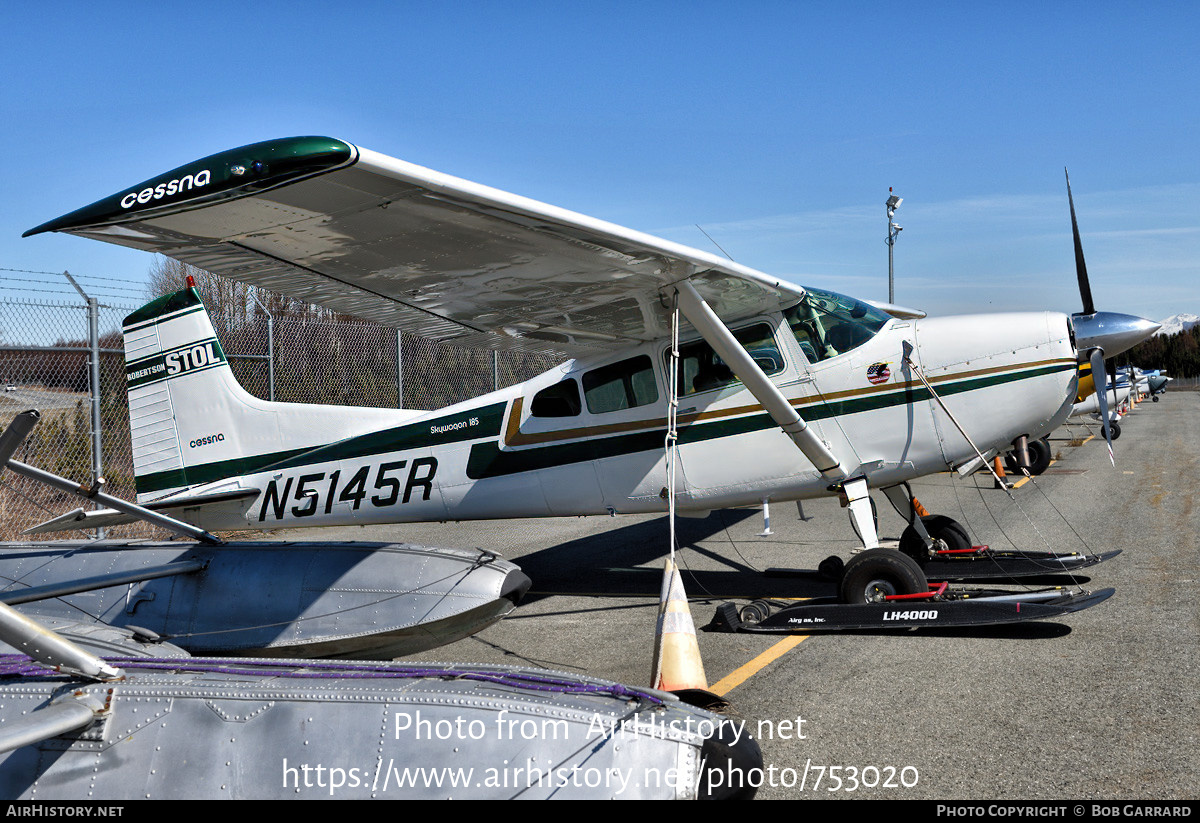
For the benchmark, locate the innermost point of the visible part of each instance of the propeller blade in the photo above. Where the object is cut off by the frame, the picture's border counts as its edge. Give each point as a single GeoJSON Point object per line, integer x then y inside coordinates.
{"type": "Point", "coordinates": [1096, 358]}
{"type": "Point", "coordinates": [1085, 287]}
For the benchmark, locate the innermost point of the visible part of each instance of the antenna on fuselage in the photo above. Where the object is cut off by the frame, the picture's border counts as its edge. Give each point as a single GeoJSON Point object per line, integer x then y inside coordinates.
{"type": "Point", "coordinates": [714, 242]}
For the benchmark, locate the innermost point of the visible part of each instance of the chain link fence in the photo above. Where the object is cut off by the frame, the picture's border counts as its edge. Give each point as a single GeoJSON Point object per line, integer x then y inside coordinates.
{"type": "Point", "coordinates": [45, 365]}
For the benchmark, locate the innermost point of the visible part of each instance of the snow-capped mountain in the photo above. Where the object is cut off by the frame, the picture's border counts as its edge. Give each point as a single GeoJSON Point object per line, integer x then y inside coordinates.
{"type": "Point", "coordinates": [1178, 322]}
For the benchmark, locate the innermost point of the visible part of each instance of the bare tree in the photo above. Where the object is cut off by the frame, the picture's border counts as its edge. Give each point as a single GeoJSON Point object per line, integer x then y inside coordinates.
{"type": "Point", "coordinates": [232, 304]}
{"type": "Point", "coordinates": [229, 303]}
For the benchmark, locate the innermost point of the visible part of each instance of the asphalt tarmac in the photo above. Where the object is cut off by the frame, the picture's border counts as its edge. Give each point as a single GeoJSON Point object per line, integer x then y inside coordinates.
{"type": "Point", "coordinates": [1101, 704]}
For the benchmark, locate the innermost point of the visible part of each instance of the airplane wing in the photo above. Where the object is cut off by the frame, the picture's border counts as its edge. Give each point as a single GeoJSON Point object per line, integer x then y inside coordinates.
{"type": "Point", "coordinates": [375, 237]}
{"type": "Point", "coordinates": [899, 312]}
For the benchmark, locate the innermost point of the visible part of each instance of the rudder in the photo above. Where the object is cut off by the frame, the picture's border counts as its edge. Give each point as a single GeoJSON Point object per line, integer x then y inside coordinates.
{"type": "Point", "coordinates": [192, 424]}
{"type": "Point", "coordinates": [170, 337]}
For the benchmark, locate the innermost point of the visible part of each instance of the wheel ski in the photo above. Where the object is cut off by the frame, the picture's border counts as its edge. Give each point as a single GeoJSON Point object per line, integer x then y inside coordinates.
{"type": "Point", "coordinates": [956, 608]}
{"type": "Point", "coordinates": [988, 564]}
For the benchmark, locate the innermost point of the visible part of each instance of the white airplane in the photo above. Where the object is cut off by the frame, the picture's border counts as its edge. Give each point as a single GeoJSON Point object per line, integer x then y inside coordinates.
{"type": "Point", "coordinates": [784, 393]}
{"type": "Point", "coordinates": [1116, 396]}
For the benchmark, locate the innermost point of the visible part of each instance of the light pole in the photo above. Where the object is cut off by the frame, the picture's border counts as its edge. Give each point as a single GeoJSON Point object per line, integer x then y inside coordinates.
{"type": "Point", "coordinates": [893, 203]}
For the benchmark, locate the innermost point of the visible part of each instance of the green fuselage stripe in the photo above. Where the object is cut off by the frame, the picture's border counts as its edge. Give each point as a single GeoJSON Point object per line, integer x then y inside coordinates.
{"type": "Point", "coordinates": [431, 432]}
{"type": "Point", "coordinates": [488, 460]}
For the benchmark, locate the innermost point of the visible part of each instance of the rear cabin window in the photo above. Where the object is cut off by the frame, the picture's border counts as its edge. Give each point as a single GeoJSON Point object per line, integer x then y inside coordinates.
{"type": "Point", "coordinates": [624, 385]}
{"type": "Point", "coordinates": [701, 369]}
{"type": "Point", "coordinates": [559, 400]}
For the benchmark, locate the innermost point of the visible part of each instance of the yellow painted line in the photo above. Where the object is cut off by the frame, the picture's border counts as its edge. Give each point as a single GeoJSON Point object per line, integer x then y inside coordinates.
{"type": "Point", "coordinates": [1025, 480]}
{"type": "Point", "coordinates": [743, 673]}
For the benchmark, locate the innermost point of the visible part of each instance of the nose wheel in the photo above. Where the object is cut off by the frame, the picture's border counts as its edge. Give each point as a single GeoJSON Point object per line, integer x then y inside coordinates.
{"type": "Point", "coordinates": [1040, 456]}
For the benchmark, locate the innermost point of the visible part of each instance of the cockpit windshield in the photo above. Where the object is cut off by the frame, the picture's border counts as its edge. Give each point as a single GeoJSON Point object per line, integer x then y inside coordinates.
{"type": "Point", "coordinates": [828, 324]}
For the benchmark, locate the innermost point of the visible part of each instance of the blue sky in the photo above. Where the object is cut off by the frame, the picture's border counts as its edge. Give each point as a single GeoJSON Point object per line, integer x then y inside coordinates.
{"type": "Point", "coordinates": [778, 127]}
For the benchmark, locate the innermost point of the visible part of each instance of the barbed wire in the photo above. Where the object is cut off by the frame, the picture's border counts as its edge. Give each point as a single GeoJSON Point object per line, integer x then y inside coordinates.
{"type": "Point", "coordinates": [76, 276]}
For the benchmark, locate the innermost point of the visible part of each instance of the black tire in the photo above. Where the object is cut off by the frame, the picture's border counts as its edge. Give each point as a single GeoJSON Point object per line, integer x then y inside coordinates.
{"type": "Point", "coordinates": [875, 573]}
{"type": "Point", "coordinates": [831, 567]}
{"type": "Point", "coordinates": [1010, 464]}
{"type": "Point", "coordinates": [1039, 456]}
{"type": "Point", "coordinates": [755, 612]}
{"type": "Point", "coordinates": [1154, 398]}
{"type": "Point", "coordinates": [942, 529]}
{"type": "Point", "coordinates": [1114, 430]}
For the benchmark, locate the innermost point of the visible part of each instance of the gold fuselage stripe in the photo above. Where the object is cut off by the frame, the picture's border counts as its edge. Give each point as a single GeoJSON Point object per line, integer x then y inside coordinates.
{"type": "Point", "coordinates": [513, 436]}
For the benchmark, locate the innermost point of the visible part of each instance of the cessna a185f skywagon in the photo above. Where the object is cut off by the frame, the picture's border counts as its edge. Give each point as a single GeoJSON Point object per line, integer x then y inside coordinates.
{"type": "Point", "coordinates": [784, 393]}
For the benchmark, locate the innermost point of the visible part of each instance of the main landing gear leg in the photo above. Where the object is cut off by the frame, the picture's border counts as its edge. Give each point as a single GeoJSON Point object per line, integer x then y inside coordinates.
{"type": "Point", "coordinates": [862, 515]}
{"type": "Point", "coordinates": [875, 573]}
{"type": "Point", "coordinates": [858, 496]}
{"type": "Point", "coordinates": [902, 499]}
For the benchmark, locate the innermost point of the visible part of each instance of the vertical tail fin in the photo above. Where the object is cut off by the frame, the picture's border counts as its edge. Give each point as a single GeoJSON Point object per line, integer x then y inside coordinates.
{"type": "Point", "coordinates": [173, 361]}
{"type": "Point", "coordinates": [193, 424]}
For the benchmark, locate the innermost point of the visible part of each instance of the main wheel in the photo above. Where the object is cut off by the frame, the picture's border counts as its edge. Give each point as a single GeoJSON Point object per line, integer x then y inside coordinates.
{"type": "Point", "coordinates": [1039, 456]}
{"type": "Point", "coordinates": [876, 573]}
{"type": "Point", "coordinates": [946, 534]}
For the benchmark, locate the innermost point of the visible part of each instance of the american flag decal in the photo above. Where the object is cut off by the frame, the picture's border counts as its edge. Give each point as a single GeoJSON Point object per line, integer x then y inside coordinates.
{"type": "Point", "coordinates": [878, 373]}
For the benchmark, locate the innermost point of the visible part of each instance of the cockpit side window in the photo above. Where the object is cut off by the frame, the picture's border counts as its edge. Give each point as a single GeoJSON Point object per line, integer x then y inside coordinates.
{"type": "Point", "coordinates": [827, 324]}
{"type": "Point", "coordinates": [701, 369]}
{"type": "Point", "coordinates": [559, 400]}
{"type": "Point", "coordinates": [623, 385]}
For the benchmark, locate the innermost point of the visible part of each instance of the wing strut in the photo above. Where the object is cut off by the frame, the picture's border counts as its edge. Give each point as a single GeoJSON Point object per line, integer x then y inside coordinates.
{"type": "Point", "coordinates": [19, 429]}
{"type": "Point", "coordinates": [718, 335]}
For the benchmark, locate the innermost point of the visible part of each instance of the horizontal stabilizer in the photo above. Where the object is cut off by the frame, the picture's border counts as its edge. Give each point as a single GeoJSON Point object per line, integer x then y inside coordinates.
{"type": "Point", "coordinates": [103, 518]}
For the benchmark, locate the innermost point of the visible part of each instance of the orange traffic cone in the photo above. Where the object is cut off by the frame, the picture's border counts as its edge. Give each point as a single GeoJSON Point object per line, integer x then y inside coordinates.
{"type": "Point", "coordinates": [677, 663]}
